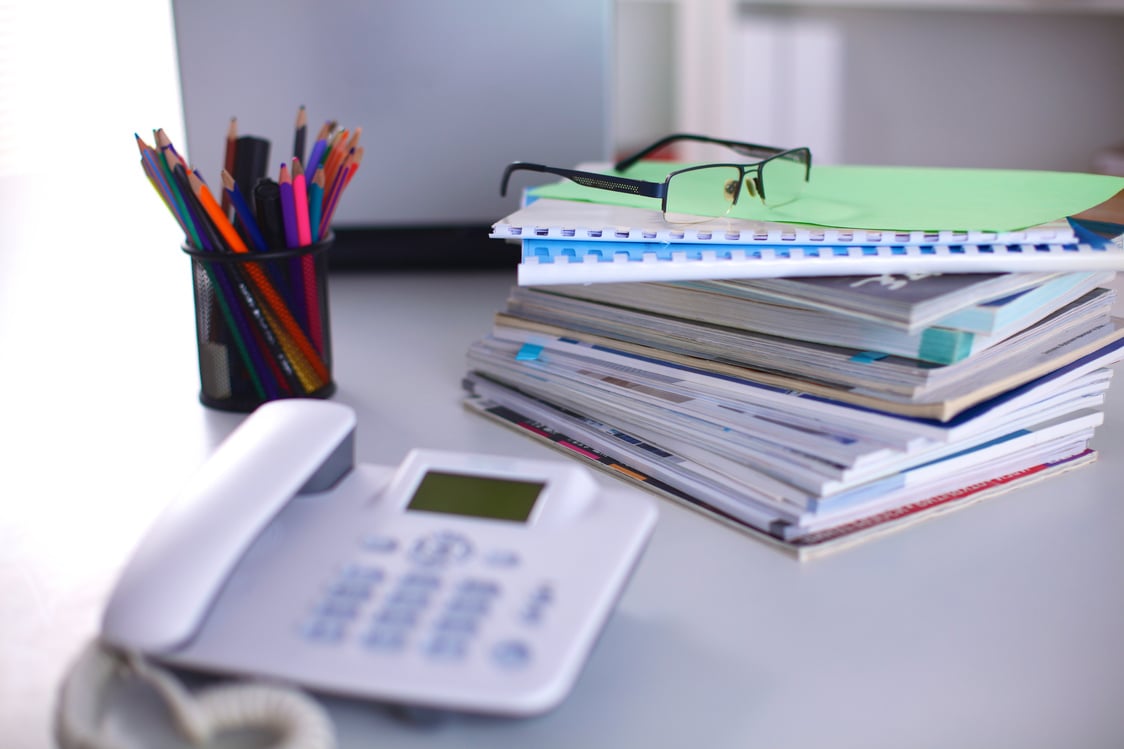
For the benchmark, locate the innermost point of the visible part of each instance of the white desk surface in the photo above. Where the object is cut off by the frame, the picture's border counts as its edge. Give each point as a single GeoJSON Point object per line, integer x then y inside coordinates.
{"type": "Point", "coordinates": [996, 626]}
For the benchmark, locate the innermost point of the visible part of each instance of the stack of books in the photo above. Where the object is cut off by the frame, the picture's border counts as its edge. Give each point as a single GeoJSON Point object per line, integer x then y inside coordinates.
{"type": "Point", "coordinates": [810, 409]}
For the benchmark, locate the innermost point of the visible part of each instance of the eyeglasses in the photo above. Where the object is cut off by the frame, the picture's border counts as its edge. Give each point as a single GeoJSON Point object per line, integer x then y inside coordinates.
{"type": "Point", "coordinates": [694, 193]}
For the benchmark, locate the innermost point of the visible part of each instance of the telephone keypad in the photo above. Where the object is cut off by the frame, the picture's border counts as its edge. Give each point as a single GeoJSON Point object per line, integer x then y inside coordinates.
{"type": "Point", "coordinates": [419, 608]}
{"type": "Point", "coordinates": [345, 596]}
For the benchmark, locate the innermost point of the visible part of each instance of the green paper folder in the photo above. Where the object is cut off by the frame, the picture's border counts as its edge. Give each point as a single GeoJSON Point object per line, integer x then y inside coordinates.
{"type": "Point", "coordinates": [892, 198]}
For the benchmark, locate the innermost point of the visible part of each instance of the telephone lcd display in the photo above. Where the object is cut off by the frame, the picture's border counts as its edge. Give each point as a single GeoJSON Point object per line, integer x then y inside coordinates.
{"type": "Point", "coordinates": [476, 496]}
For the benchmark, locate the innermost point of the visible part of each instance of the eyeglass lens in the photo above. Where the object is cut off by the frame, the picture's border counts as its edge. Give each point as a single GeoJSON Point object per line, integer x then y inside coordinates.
{"type": "Point", "coordinates": [703, 192]}
{"type": "Point", "coordinates": [706, 192]}
{"type": "Point", "coordinates": [783, 178]}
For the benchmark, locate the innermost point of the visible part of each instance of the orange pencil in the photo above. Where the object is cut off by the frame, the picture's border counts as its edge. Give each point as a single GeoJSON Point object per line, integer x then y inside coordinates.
{"type": "Point", "coordinates": [273, 299]}
{"type": "Point", "coordinates": [336, 154]}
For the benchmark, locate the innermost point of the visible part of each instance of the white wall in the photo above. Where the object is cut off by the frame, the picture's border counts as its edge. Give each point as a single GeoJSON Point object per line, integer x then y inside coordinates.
{"type": "Point", "coordinates": [1032, 85]}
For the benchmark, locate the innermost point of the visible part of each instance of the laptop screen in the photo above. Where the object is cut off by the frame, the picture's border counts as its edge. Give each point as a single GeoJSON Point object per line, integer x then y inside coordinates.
{"type": "Point", "coordinates": [447, 93]}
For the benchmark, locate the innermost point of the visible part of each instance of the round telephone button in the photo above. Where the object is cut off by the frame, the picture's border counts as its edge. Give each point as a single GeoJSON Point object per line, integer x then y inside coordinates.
{"type": "Point", "coordinates": [440, 548]}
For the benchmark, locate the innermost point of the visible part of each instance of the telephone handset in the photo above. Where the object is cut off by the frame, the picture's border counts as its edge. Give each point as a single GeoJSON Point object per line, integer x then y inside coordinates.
{"type": "Point", "coordinates": [454, 581]}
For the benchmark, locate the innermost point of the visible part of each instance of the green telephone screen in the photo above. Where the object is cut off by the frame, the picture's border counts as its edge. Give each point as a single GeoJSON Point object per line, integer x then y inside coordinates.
{"type": "Point", "coordinates": [476, 496]}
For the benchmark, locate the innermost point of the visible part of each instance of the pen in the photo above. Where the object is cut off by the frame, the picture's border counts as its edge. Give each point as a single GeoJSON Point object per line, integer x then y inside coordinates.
{"type": "Point", "coordinates": [251, 163]}
{"type": "Point", "coordinates": [267, 210]}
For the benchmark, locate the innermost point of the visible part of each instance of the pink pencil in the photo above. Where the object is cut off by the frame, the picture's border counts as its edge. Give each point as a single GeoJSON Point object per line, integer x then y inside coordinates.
{"type": "Point", "coordinates": [300, 203]}
{"type": "Point", "coordinates": [308, 267]}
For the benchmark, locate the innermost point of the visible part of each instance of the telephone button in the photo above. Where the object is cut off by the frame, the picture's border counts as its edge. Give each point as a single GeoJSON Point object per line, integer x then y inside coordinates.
{"type": "Point", "coordinates": [362, 572]}
{"type": "Point", "coordinates": [457, 623]}
{"type": "Point", "coordinates": [513, 654]}
{"type": "Point", "coordinates": [339, 607]}
{"type": "Point", "coordinates": [537, 604]}
{"type": "Point", "coordinates": [326, 630]}
{"type": "Point", "coordinates": [420, 581]}
{"type": "Point", "coordinates": [386, 638]}
{"type": "Point", "coordinates": [447, 647]}
{"type": "Point", "coordinates": [410, 596]}
{"type": "Point", "coordinates": [502, 558]}
{"type": "Point", "coordinates": [474, 586]}
{"type": "Point", "coordinates": [440, 548]}
{"type": "Point", "coordinates": [399, 616]}
{"type": "Point", "coordinates": [379, 543]}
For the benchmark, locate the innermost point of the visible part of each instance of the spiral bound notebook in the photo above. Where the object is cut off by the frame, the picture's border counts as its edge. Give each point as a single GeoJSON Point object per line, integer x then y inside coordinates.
{"type": "Point", "coordinates": [575, 242]}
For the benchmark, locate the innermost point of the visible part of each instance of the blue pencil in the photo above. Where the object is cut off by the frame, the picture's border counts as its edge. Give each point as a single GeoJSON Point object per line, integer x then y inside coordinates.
{"type": "Point", "coordinates": [243, 212]}
{"type": "Point", "coordinates": [315, 203]}
{"type": "Point", "coordinates": [318, 148]}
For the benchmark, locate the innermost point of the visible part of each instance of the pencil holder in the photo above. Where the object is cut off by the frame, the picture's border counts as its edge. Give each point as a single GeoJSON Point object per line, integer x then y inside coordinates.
{"type": "Point", "coordinates": [262, 328]}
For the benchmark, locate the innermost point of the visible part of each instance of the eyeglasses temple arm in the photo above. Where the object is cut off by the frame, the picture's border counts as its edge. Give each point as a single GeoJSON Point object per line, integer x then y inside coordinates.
{"type": "Point", "coordinates": [747, 149]}
{"type": "Point", "coordinates": [628, 161]}
{"type": "Point", "coordinates": [588, 179]}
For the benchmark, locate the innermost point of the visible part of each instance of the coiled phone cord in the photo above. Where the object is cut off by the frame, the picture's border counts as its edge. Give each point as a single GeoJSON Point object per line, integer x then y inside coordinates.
{"type": "Point", "coordinates": [293, 718]}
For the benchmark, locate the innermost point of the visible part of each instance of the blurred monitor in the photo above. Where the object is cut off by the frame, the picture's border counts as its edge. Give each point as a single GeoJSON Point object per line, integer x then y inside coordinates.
{"type": "Point", "coordinates": [447, 93]}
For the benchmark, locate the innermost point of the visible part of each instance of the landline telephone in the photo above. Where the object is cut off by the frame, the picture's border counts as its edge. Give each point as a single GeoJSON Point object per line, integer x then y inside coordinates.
{"type": "Point", "coordinates": [455, 581]}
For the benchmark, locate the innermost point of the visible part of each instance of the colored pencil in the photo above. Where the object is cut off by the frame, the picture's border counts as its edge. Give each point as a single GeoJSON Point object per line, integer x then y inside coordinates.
{"type": "Point", "coordinates": [274, 302]}
{"type": "Point", "coordinates": [300, 133]}
{"type": "Point", "coordinates": [292, 241]}
{"type": "Point", "coordinates": [236, 322]}
{"type": "Point", "coordinates": [280, 339]}
{"type": "Point", "coordinates": [315, 203]}
{"type": "Point", "coordinates": [318, 148]}
{"type": "Point", "coordinates": [335, 155]}
{"type": "Point", "coordinates": [229, 157]}
{"type": "Point", "coordinates": [333, 193]}
{"type": "Point", "coordinates": [277, 364]}
{"type": "Point", "coordinates": [354, 166]}
{"type": "Point", "coordinates": [308, 264]}
{"type": "Point", "coordinates": [300, 204]}
{"type": "Point", "coordinates": [243, 212]}
{"type": "Point", "coordinates": [165, 161]}
{"type": "Point", "coordinates": [288, 208]}
{"type": "Point", "coordinates": [156, 177]}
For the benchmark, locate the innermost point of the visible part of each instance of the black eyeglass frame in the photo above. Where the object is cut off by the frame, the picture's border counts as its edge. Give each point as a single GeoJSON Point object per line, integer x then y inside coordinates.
{"type": "Point", "coordinates": [658, 190]}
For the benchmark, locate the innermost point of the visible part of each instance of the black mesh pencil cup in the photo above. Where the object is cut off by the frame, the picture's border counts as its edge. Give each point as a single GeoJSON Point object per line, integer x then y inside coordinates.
{"type": "Point", "coordinates": [262, 328]}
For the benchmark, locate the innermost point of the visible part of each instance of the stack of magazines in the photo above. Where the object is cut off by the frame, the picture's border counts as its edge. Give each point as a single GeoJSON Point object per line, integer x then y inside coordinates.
{"type": "Point", "coordinates": [811, 412]}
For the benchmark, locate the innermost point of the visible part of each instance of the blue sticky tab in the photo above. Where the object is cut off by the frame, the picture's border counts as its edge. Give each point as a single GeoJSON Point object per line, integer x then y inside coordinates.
{"type": "Point", "coordinates": [528, 352]}
{"type": "Point", "coordinates": [866, 357]}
